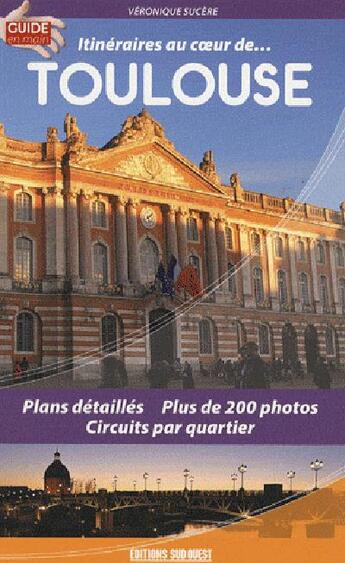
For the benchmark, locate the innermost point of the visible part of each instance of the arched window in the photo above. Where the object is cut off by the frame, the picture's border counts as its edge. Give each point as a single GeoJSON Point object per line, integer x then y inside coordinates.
{"type": "Point", "coordinates": [282, 287]}
{"type": "Point", "coordinates": [324, 293]}
{"type": "Point", "coordinates": [25, 331]}
{"type": "Point", "coordinates": [278, 245]}
{"type": "Point", "coordinates": [109, 333]}
{"type": "Point", "coordinates": [23, 207]}
{"type": "Point", "coordinates": [100, 262]}
{"type": "Point", "coordinates": [149, 260]}
{"type": "Point", "coordinates": [232, 280]}
{"type": "Point", "coordinates": [330, 341]}
{"type": "Point", "coordinates": [228, 238]}
{"type": "Point", "coordinates": [301, 250]}
{"type": "Point", "coordinates": [192, 229]}
{"type": "Point", "coordinates": [264, 340]}
{"type": "Point", "coordinates": [339, 257]}
{"type": "Point", "coordinates": [98, 214]}
{"type": "Point", "coordinates": [304, 288]}
{"type": "Point", "coordinates": [23, 259]}
{"type": "Point", "coordinates": [342, 293]}
{"type": "Point", "coordinates": [195, 261]}
{"type": "Point", "coordinates": [258, 285]}
{"type": "Point", "coordinates": [205, 337]}
{"type": "Point", "coordinates": [320, 253]}
{"type": "Point", "coordinates": [256, 243]}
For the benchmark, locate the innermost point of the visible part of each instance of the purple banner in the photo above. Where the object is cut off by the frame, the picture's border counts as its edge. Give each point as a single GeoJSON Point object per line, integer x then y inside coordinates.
{"type": "Point", "coordinates": [233, 9]}
{"type": "Point", "coordinates": [172, 417]}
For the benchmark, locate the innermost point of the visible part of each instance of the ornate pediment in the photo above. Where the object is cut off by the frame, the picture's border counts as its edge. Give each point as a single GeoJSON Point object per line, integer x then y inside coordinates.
{"type": "Point", "coordinates": [142, 151]}
{"type": "Point", "coordinates": [150, 166]}
{"type": "Point", "coordinates": [136, 129]}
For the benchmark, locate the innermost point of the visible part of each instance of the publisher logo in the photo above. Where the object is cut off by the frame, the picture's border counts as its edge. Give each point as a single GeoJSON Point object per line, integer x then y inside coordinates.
{"type": "Point", "coordinates": [28, 33]}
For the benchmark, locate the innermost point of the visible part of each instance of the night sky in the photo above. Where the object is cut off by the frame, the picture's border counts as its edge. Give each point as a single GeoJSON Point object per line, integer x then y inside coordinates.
{"type": "Point", "coordinates": [211, 466]}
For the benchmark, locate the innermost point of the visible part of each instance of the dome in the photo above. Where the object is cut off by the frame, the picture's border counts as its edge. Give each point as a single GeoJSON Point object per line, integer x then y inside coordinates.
{"type": "Point", "coordinates": [57, 470]}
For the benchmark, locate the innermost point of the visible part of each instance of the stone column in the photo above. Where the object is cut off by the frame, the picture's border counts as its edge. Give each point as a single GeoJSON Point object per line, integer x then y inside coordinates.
{"type": "Point", "coordinates": [132, 234]}
{"type": "Point", "coordinates": [222, 253]}
{"type": "Point", "coordinates": [182, 237]}
{"type": "Point", "coordinates": [172, 246]}
{"type": "Point", "coordinates": [121, 241]}
{"type": "Point", "coordinates": [73, 238]}
{"type": "Point", "coordinates": [291, 243]}
{"type": "Point", "coordinates": [212, 254]}
{"type": "Point", "coordinates": [4, 270]}
{"type": "Point", "coordinates": [334, 278]}
{"type": "Point", "coordinates": [248, 297]}
{"type": "Point", "coordinates": [315, 277]}
{"type": "Point", "coordinates": [55, 238]}
{"type": "Point", "coordinates": [85, 237]}
{"type": "Point", "coordinates": [272, 273]}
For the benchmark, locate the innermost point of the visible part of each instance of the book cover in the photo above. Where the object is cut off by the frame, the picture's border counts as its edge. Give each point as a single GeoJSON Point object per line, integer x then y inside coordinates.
{"type": "Point", "coordinates": [172, 281]}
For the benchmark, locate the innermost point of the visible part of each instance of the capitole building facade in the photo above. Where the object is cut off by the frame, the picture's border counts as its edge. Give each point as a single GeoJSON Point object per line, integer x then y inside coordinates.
{"type": "Point", "coordinates": [83, 229]}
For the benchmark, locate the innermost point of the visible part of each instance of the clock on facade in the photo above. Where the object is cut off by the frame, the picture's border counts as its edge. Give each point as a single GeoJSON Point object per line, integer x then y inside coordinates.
{"type": "Point", "coordinates": [148, 217]}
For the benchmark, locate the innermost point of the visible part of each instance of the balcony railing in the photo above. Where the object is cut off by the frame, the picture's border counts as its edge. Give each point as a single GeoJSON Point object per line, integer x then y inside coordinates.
{"type": "Point", "coordinates": [30, 286]}
{"type": "Point", "coordinates": [107, 289]}
{"type": "Point", "coordinates": [253, 198]}
{"type": "Point", "coordinates": [287, 307]}
{"type": "Point", "coordinates": [264, 304]}
{"type": "Point", "coordinates": [336, 216]}
{"type": "Point", "coordinates": [275, 203]}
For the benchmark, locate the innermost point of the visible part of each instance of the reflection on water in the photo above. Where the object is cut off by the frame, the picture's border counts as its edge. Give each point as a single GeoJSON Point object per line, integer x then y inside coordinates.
{"type": "Point", "coordinates": [197, 526]}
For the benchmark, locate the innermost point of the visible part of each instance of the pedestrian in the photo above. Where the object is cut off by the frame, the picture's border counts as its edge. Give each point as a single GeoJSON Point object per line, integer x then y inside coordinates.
{"type": "Point", "coordinates": [277, 369]}
{"type": "Point", "coordinates": [322, 378]}
{"type": "Point", "coordinates": [229, 372]}
{"type": "Point", "coordinates": [113, 372]}
{"type": "Point", "coordinates": [121, 373]}
{"type": "Point", "coordinates": [255, 370]}
{"type": "Point", "coordinates": [239, 368]}
{"type": "Point", "coordinates": [187, 376]}
{"type": "Point", "coordinates": [203, 371]}
{"type": "Point", "coordinates": [299, 370]}
{"type": "Point", "coordinates": [159, 375]}
{"type": "Point", "coordinates": [218, 368]}
{"type": "Point", "coordinates": [24, 364]}
{"type": "Point", "coordinates": [177, 368]}
{"type": "Point", "coordinates": [17, 370]}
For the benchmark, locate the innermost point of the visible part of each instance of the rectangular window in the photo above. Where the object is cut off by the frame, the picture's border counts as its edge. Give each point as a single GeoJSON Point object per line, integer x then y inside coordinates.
{"type": "Point", "coordinates": [205, 337]}
{"type": "Point", "coordinates": [98, 214]}
{"type": "Point", "coordinates": [25, 333]}
{"type": "Point", "coordinates": [228, 238]}
{"type": "Point", "coordinates": [324, 292]}
{"type": "Point", "coordinates": [192, 229]}
{"type": "Point", "coordinates": [23, 259]}
{"type": "Point", "coordinates": [23, 207]}
{"type": "Point", "coordinates": [232, 280]}
{"type": "Point", "coordinates": [264, 340]}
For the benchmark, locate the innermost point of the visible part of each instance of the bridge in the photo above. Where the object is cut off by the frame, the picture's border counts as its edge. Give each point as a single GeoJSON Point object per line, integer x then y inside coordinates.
{"type": "Point", "coordinates": [160, 513]}
{"type": "Point", "coordinates": [222, 504]}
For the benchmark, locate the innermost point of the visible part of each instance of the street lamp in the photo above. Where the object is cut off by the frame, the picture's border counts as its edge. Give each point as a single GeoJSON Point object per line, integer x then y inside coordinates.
{"type": "Point", "coordinates": [134, 485]}
{"type": "Point", "coordinates": [242, 469]}
{"type": "Point", "coordinates": [316, 465]}
{"type": "Point", "coordinates": [158, 481]}
{"type": "Point", "coordinates": [115, 483]}
{"type": "Point", "coordinates": [234, 478]}
{"type": "Point", "coordinates": [191, 481]}
{"type": "Point", "coordinates": [291, 475]}
{"type": "Point", "coordinates": [145, 477]}
{"type": "Point", "coordinates": [186, 474]}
